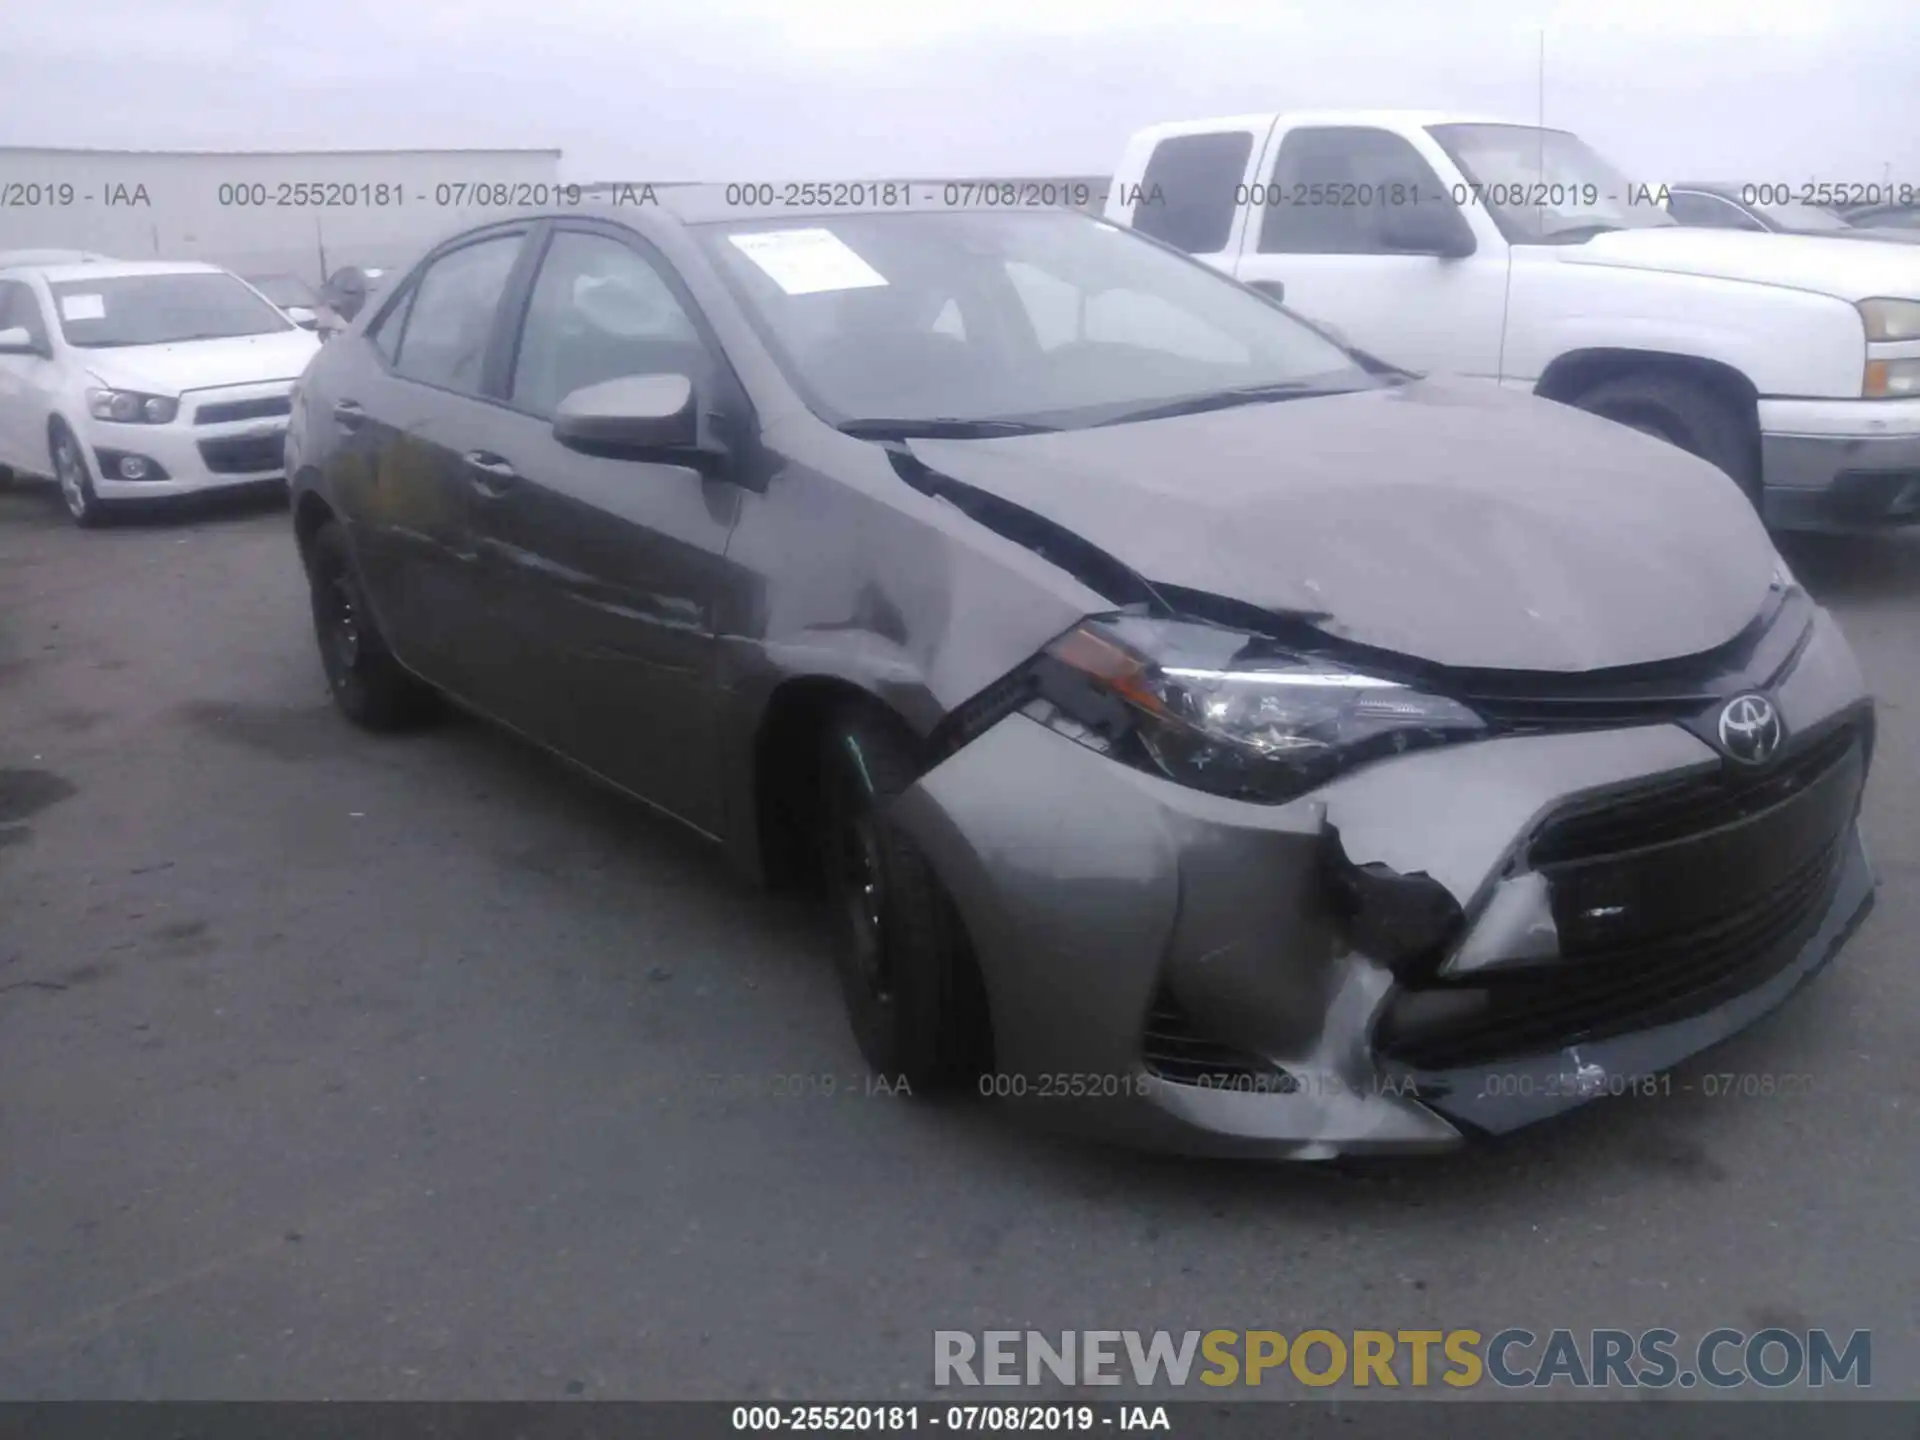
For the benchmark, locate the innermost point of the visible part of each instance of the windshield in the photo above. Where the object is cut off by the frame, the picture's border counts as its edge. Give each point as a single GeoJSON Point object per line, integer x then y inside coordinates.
{"type": "Point", "coordinates": [284, 290]}
{"type": "Point", "coordinates": [108, 311]}
{"type": "Point", "coordinates": [1547, 186]}
{"type": "Point", "coordinates": [1043, 317]}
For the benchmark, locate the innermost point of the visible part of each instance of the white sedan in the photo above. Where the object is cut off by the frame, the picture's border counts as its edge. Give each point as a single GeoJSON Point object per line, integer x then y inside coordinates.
{"type": "Point", "coordinates": [139, 379]}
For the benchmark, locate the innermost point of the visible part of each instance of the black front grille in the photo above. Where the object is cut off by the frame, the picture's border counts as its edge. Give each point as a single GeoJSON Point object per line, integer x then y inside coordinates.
{"type": "Point", "coordinates": [1667, 905]}
{"type": "Point", "coordinates": [246, 454]}
{"type": "Point", "coordinates": [1672, 811]}
{"type": "Point", "coordinates": [1175, 1048]}
{"type": "Point", "coordinates": [225, 411]}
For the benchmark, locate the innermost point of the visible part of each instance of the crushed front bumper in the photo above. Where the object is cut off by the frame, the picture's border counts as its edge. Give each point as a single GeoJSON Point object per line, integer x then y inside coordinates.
{"type": "Point", "coordinates": [1126, 925]}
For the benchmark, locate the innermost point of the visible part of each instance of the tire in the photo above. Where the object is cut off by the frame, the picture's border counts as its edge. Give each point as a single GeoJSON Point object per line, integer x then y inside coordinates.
{"type": "Point", "coordinates": [1682, 411]}
{"type": "Point", "coordinates": [70, 473]}
{"type": "Point", "coordinates": [912, 991]}
{"type": "Point", "coordinates": [371, 688]}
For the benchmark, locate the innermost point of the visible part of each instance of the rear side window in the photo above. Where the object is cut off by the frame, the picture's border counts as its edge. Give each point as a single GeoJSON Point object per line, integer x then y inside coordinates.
{"type": "Point", "coordinates": [1190, 189]}
{"type": "Point", "coordinates": [450, 319]}
{"type": "Point", "coordinates": [1332, 187]}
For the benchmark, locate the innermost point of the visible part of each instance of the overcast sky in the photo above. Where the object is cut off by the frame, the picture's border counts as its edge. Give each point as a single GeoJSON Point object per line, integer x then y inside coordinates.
{"type": "Point", "coordinates": [1755, 90]}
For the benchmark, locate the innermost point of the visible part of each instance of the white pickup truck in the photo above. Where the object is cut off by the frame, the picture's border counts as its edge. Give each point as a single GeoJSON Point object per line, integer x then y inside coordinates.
{"type": "Point", "coordinates": [1514, 253]}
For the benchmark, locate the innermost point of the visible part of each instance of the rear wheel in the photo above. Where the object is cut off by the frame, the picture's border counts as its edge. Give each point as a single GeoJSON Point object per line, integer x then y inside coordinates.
{"type": "Point", "coordinates": [76, 484]}
{"type": "Point", "coordinates": [912, 991]}
{"type": "Point", "coordinates": [368, 684]}
{"type": "Point", "coordinates": [1685, 412]}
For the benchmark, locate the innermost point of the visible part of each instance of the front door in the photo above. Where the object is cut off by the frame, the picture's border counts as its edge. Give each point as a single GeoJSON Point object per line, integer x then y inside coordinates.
{"type": "Point", "coordinates": [1317, 231]}
{"type": "Point", "coordinates": [610, 570]}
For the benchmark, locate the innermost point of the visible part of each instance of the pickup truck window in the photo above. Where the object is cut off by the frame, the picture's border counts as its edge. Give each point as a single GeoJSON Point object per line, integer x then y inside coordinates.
{"type": "Point", "coordinates": [1332, 187]}
{"type": "Point", "coordinates": [1188, 193]}
{"type": "Point", "coordinates": [1546, 187]}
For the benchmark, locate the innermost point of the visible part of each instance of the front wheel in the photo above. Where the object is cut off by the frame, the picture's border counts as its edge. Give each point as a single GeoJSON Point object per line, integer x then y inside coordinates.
{"type": "Point", "coordinates": [371, 688]}
{"type": "Point", "coordinates": [911, 988]}
{"type": "Point", "coordinates": [1684, 412]}
{"type": "Point", "coordinates": [76, 484]}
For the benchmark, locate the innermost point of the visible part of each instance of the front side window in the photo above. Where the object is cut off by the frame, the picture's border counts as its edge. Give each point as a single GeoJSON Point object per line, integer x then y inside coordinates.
{"type": "Point", "coordinates": [1691, 207]}
{"type": "Point", "coordinates": [1333, 188]}
{"type": "Point", "coordinates": [1547, 187]}
{"type": "Point", "coordinates": [104, 312]}
{"type": "Point", "coordinates": [599, 311]}
{"type": "Point", "coordinates": [1190, 190]}
{"type": "Point", "coordinates": [20, 309]}
{"type": "Point", "coordinates": [450, 318]}
{"type": "Point", "coordinates": [1051, 318]}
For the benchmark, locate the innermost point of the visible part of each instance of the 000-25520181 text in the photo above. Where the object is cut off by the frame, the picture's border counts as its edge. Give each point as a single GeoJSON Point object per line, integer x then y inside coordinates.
{"type": "Point", "coordinates": [900, 1419]}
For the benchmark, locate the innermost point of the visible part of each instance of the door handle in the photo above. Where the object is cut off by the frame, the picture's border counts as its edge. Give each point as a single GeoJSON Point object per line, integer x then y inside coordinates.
{"type": "Point", "coordinates": [1276, 288]}
{"type": "Point", "coordinates": [490, 475]}
{"type": "Point", "coordinates": [348, 414]}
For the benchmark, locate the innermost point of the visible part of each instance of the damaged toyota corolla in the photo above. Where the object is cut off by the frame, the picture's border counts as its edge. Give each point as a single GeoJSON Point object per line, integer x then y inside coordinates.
{"type": "Point", "coordinates": [1219, 739]}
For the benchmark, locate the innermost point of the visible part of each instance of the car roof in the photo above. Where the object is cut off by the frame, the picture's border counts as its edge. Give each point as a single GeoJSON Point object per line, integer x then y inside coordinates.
{"type": "Point", "coordinates": [715, 204]}
{"type": "Point", "coordinates": [113, 269]}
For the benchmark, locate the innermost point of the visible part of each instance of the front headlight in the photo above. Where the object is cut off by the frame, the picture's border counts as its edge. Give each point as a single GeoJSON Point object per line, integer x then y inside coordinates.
{"type": "Point", "coordinates": [1891, 379]}
{"type": "Point", "coordinates": [129, 407]}
{"type": "Point", "coordinates": [1891, 319]}
{"type": "Point", "coordinates": [1230, 712]}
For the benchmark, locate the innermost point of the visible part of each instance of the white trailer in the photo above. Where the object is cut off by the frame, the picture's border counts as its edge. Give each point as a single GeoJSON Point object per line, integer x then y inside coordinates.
{"type": "Point", "coordinates": [304, 213]}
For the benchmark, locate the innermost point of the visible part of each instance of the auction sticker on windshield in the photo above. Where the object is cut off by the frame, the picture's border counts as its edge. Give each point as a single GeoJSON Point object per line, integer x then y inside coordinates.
{"type": "Point", "coordinates": [808, 262]}
{"type": "Point", "coordinates": [83, 307]}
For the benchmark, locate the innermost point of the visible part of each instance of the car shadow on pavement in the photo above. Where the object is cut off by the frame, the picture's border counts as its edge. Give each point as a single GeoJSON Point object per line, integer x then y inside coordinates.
{"type": "Point", "coordinates": [29, 500]}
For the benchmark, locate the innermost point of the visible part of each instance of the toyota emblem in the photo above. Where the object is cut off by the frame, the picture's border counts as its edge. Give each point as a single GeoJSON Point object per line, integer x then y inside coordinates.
{"type": "Point", "coordinates": [1750, 729]}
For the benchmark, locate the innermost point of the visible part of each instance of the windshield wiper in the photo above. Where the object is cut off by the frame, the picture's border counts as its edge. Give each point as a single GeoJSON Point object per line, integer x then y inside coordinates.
{"type": "Point", "coordinates": [940, 428]}
{"type": "Point", "coordinates": [1227, 399]}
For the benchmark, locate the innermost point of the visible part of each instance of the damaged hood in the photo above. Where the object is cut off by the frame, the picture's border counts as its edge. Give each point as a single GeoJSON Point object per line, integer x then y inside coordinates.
{"type": "Point", "coordinates": [1450, 521]}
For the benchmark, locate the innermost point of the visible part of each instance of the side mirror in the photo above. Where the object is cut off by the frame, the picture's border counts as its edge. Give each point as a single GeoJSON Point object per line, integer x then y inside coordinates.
{"type": "Point", "coordinates": [637, 417]}
{"type": "Point", "coordinates": [303, 317]}
{"type": "Point", "coordinates": [16, 341]}
{"type": "Point", "coordinates": [1427, 228]}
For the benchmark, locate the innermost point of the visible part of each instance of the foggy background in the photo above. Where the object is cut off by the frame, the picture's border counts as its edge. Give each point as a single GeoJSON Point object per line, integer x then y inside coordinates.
{"type": "Point", "coordinates": [1741, 90]}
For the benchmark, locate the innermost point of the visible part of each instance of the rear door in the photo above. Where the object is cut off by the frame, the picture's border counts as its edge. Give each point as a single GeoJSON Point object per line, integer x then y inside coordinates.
{"type": "Point", "coordinates": [608, 572]}
{"type": "Point", "coordinates": [1188, 191]}
{"type": "Point", "coordinates": [407, 406]}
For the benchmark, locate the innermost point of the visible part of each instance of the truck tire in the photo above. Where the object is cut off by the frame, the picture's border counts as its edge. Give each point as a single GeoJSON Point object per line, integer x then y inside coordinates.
{"type": "Point", "coordinates": [911, 989]}
{"type": "Point", "coordinates": [1682, 411]}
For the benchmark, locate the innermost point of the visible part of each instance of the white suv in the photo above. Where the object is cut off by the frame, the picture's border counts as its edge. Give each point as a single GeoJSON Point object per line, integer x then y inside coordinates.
{"type": "Point", "coordinates": [129, 379]}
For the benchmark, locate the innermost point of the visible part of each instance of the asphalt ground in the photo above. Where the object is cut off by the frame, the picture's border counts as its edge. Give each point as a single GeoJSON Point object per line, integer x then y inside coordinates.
{"type": "Point", "coordinates": [335, 1066]}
